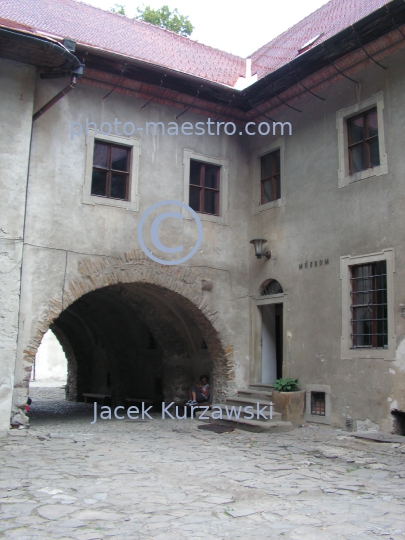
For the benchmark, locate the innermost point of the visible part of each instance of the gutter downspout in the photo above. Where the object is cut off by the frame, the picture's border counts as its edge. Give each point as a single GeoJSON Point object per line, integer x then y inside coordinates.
{"type": "Point", "coordinates": [55, 99]}
{"type": "Point", "coordinates": [74, 63]}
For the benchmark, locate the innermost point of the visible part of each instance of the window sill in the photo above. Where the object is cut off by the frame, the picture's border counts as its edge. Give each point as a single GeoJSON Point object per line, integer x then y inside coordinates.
{"type": "Point", "coordinates": [207, 217]}
{"type": "Point", "coordinates": [273, 204]}
{"type": "Point", "coordinates": [94, 200]}
{"type": "Point", "coordinates": [362, 175]}
{"type": "Point", "coordinates": [380, 354]}
{"type": "Point", "coordinates": [317, 419]}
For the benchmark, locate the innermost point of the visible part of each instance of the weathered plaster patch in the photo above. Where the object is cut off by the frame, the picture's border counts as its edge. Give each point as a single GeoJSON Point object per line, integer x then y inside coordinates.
{"type": "Point", "coordinates": [399, 361]}
{"type": "Point", "coordinates": [6, 386]}
{"type": "Point", "coordinates": [367, 425]}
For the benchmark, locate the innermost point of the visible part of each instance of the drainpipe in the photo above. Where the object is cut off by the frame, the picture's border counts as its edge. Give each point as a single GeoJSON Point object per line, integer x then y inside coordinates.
{"type": "Point", "coordinates": [55, 99]}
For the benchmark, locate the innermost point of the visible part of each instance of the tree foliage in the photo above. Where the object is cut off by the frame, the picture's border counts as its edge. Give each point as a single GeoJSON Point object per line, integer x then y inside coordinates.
{"type": "Point", "coordinates": [118, 8]}
{"type": "Point", "coordinates": [164, 18]}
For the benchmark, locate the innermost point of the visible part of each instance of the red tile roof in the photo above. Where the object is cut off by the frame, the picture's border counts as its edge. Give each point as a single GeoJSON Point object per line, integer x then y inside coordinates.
{"type": "Point", "coordinates": [92, 26]}
{"type": "Point", "coordinates": [328, 20]}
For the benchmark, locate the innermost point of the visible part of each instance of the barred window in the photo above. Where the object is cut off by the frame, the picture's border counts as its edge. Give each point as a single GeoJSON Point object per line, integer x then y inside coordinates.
{"type": "Point", "coordinates": [318, 403]}
{"type": "Point", "coordinates": [369, 321]}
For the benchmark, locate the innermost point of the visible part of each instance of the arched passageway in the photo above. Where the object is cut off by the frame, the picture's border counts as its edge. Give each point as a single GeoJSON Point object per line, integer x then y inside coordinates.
{"type": "Point", "coordinates": [135, 341]}
{"type": "Point", "coordinates": [50, 364]}
{"type": "Point", "coordinates": [132, 328]}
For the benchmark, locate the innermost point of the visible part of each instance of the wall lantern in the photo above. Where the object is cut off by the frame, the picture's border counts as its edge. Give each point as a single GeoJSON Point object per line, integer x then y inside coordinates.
{"type": "Point", "coordinates": [258, 243]}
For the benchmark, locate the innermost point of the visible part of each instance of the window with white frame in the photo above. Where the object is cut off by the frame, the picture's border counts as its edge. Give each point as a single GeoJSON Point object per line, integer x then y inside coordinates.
{"type": "Point", "coordinates": [204, 195]}
{"type": "Point", "coordinates": [367, 307]}
{"type": "Point", "coordinates": [362, 133]}
{"type": "Point", "coordinates": [111, 164]}
{"type": "Point", "coordinates": [361, 141]}
{"type": "Point", "coordinates": [267, 166]}
{"type": "Point", "coordinates": [111, 172]}
{"type": "Point", "coordinates": [369, 323]}
{"type": "Point", "coordinates": [270, 177]}
{"type": "Point", "coordinates": [206, 186]}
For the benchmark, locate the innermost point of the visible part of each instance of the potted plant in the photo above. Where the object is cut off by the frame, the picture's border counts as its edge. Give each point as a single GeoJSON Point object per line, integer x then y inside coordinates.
{"type": "Point", "coordinates": [289, 400]}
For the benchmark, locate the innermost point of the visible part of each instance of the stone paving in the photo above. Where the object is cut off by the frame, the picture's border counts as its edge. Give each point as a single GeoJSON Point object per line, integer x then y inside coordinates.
{"type": "Point", "coordinates": [167, 480]}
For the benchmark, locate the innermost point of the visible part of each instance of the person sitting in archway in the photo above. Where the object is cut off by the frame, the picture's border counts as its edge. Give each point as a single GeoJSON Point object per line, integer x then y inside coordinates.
{"type": "Point", "coordinates": [28, 405]}
{"type": "Point", "coordinates": [200, 393]}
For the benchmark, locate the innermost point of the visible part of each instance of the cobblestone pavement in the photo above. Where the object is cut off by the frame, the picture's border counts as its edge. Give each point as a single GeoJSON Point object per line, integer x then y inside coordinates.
{"type": "Point", "coordinates": [166, 479]}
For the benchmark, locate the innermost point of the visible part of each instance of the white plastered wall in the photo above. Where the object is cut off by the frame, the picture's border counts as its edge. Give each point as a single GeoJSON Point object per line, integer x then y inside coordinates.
{"type": "Point", "coordinates": [16, 98]}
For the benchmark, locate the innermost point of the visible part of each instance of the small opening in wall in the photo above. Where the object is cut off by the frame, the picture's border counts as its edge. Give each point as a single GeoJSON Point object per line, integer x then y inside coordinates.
{"type": "Point", "coordinates": [399, 422]}
{"type": "Point", "coordinates": [318, 403]}
{"type": "Point", "coordinates": [269, 287]}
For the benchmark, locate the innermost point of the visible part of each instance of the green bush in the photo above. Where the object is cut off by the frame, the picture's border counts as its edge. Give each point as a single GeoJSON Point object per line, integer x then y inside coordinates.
{"type": "Point", "coordinates": [286, 385]}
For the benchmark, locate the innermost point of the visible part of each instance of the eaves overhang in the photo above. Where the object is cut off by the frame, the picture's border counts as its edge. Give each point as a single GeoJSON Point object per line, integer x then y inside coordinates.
{"type": "Point", "coordinates": [384, 20]}
{"type": "Point", "coordinates": [47, 54]}
{"type": "Point", "coordinates": [159, 76]}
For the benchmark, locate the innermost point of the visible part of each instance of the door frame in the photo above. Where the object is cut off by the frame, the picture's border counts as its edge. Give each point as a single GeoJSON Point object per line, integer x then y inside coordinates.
{"type": "Point", "coordinates": [255, 374]}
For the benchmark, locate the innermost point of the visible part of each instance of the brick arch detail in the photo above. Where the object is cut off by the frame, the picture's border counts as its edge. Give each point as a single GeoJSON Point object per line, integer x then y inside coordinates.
{"type": "Point", "coordinates": [134, 267]}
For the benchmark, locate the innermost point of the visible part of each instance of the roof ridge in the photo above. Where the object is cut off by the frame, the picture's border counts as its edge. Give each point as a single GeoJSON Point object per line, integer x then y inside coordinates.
{"type": "Point", "coordinates": [154, 26]}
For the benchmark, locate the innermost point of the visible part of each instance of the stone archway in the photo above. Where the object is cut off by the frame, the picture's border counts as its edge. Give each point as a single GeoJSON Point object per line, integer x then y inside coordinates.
{"type": "Point", "coordinates": [134, 281]}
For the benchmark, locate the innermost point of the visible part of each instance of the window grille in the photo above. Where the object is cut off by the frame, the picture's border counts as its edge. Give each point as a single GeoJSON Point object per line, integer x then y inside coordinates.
{"type": "Point", "coordinates": [318, 403]}
{"type": "Point", "coordinates": [271, 286]}
{"type": "Point", "coordinates": [369, 321]}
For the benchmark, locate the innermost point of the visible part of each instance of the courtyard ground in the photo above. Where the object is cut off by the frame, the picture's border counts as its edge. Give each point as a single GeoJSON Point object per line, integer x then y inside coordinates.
{"type": "Point", "coordinates": [167, 480]}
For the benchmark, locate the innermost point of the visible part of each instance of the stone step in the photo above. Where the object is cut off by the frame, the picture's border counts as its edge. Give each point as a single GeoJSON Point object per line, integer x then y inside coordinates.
{"type": "Point", "coordinates": [276, 415]}
{"type": "Point", "coordinates": [256, 426]}
{"type": "Point", "coordinates": [265, 387]}
{"type": "Point", "coordinates": [247, 401]}
{"type": "Point", "coordinates": [255, 394]}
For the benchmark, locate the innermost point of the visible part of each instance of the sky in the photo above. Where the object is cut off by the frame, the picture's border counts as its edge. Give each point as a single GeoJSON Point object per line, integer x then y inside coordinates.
{"type": "Point", "coordinates": [224, 25]}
